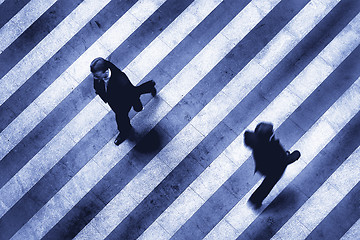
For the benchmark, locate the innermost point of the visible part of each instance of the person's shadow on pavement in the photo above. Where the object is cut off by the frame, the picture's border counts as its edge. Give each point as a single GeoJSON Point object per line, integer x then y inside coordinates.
{"type": "Point", "coordinates": [149, 143]}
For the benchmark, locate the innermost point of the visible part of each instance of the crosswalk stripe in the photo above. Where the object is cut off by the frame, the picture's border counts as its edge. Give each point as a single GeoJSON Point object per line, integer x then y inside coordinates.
{"type": "Point", "coordinates": [69, 136]}
{"type": "Point", "coordinates": [330, 124]}
{"type": "Point", "coordinates": [233, 7]}
{"type": "Point", "coordinates": [108, 161]}
{"type": "Point", "coordinates": [22, 20]}
{"type": "Point", "coordinates": [170, 38]}
{"type": "Point", "coordinates": [41, 53]}
{"type": "Point", "coordinates": [63, 58]}
{"type": "Point", "coordinates": [305, 184]}
{"type": "Point", "coordinates": [331, 192]}
{"type": "Point", "coordinates": [201, 64]}
{"type": "Point", "coordinates": [68, 80]}
{"type": "Point", "coordinates": [216, 2]}
{"type": "Point", "coordinates": [217, 206]}
{"type": "Point", "coordinates": [353, 232]}
{"type": "Point", "coordinates": [90, 115]}
{"type": "Point", "coordinates": [236, 90]}
{"type": "Point", "coordinates": [189, 132]}
{"type": "Point", "coordinates": [10, 9]}
{"type": "Point", "coordinates": [119, 214]}
{"type": "Point", "coordinates": [95, 113]}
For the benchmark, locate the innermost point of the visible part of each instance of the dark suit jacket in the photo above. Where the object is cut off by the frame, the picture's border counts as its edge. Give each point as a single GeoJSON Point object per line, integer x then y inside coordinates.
{"type": "Point", "coordinates": [269, 155]}
{"type": "Point", "coordinates": [120, 94]}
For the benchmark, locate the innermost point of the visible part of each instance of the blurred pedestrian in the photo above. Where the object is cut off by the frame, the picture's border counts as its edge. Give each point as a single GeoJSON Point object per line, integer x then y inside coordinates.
{"type": "Point", "coordinates": [270, 159]}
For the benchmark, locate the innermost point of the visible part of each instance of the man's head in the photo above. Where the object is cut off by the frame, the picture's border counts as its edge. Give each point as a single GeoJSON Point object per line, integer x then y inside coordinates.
{"type": "Point", "coordinates": [250, 139]}
{"type": "Point", "coordinates": [264, 130]}
{"type": "Point", "coordinates": [99, 68]}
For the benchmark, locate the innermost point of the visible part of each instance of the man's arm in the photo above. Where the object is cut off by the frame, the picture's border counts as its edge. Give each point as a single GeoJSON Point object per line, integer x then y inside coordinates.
{"type": "Point", "coordinates": [99, 92]}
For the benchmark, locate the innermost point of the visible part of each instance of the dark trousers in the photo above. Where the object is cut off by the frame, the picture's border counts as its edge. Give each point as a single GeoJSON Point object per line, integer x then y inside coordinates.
{"type": "Point", "coordinates": [271, 179]}
{"type": "Point", "coordinates": [146, 87]}
{"type": "Point", "coordinates": [122, 116]}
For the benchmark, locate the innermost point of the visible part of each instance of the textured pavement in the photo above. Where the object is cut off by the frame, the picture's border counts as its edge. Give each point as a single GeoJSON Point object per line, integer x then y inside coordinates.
{"type": "Point", "coordinates": [220, 67]}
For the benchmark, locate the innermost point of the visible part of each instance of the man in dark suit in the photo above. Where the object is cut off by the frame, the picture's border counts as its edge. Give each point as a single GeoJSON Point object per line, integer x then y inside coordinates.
{"type": "Point", "coordinates": [115, 88]}
{"type": "Point", "coordinates": [270, 158]}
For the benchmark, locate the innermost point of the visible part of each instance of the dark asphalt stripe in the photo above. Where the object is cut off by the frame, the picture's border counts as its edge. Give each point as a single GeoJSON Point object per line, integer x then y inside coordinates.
{"type": "Point", "coordinates": [10, 8]}
{"type": "Point", "coordinates": [66, 110]}
{"type": "Point", "coordinates": [238, 185]}
{"type": "Point", "coordinates": [172, 186]}
{"type": "Point", "coordinates": [340, 219]}
{"type": "Point", "coordinates": [61, 60]}
{"type": "Point", "coordinates": [35, 33]}
{"type": "Point", "coordinates": [127, 168]}
{"type": "Point", "coordinates": [306, 183]}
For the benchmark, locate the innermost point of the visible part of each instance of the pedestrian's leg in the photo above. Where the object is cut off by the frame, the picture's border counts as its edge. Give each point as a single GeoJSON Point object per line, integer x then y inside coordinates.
{"type": "Point", "coordinates": [147, 87]}
{"type": "Point", "coordinates": [264, 189]}
{"type": "Point", "coordinates": [124, 126]}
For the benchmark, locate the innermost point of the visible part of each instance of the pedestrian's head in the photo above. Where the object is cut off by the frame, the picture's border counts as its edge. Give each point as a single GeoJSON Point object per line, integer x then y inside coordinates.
{"type": "Point", "coordinates": [264, 130]}
{"type": "Point", "coordinates": [99, 67]}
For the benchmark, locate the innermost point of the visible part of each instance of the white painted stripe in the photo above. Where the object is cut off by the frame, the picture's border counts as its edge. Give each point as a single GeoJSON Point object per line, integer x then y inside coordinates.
{"type": "Point", "coordinates": [169, 156]}
{"type": "Point", "coordinates": [92, 114]}
{"type": "Point", "coordinates": [328, 125]}
{"type": "Point", "coordinates": [353, 232]}
{"type": "Point", "coordinates": [1, 1]}
{"type": "Point", "coordinates": [22, 20]}
{"type": "Point", "coordinates": [158, 49]}
{"type": "Point", "coordinates": [191, 17]}
{"type": "Point", "coordinates": [59, 89]}
{"type": "Point", "coordinates": [221, 169]}
{"type": "Point", "coordinates": [166, 35]}
{"type": "Point", "coordinates": [109, 161]}
{"type": "Point", "coordinates": [201, 64]}
{"type": "Point", "coordinates": [76, 129]}
{"type": "Point", "coordinates": [41, 53]}
{"type": "Point", "coordinates": [320, 204]}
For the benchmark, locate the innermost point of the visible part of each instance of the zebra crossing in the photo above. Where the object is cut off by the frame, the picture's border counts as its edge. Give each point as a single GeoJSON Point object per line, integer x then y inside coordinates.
{"type": "Point", "coordinates": [221, 67]}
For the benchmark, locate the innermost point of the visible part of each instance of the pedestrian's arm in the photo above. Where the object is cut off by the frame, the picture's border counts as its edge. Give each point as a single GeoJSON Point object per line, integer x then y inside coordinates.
{"type": "Point", "coordinates": [101, 94]}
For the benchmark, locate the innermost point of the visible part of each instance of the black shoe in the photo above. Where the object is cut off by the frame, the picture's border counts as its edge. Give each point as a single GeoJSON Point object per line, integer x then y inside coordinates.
{"type": "Point", "coordinates": [294, 156]}
{"type": "Point", "coordinates": [138, 106]}
{"type": "Point", "coordinates": [153, 91]}
{"type": "Point", "coordinates": [119, 139]}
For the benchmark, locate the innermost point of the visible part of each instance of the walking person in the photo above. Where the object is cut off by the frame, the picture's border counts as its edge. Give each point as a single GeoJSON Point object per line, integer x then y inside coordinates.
{"type": "Point", "coordinates": [270, 159]}
{"type": "Point", "coordinates": [115, 88]}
